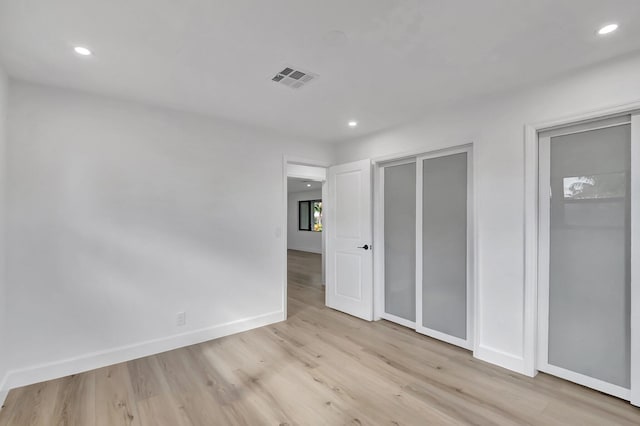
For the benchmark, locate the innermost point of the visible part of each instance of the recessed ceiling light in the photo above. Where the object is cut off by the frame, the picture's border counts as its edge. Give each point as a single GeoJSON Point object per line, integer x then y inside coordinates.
{"type": "Point", "coordinates": [608, 29]}
{"type": "Point", "coordinates": [309, 185]}
{"type": "Point", "coordinates": [353, 123]}
{"type": "Point", "coordinates": [80, 50]}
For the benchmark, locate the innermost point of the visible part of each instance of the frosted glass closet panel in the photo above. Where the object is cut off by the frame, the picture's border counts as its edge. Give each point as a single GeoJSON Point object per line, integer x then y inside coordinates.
{"type": "Point", "coordinates": [400, 241]}
{"type": "Point", "coordinates": [589, 257]}
{"type": "Point", "coordinates": [444, 244]}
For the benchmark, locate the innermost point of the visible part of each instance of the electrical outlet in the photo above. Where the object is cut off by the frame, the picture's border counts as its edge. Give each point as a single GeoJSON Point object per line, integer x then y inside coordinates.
{"type": "Point", "coordinates": [181, 319]}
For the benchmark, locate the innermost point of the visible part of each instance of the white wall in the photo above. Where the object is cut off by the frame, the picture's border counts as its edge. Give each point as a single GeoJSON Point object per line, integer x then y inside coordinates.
{"type": "Point", "coordinates": [496, 127]}
{"type": "Point", "coordinates": [121, 215]}
{"type": "Point", "coordinates": [3, 303]}
{"type": "Point", "coordinates": [306, 172]}
{"type": "Point", "coordinates": [302, 240]}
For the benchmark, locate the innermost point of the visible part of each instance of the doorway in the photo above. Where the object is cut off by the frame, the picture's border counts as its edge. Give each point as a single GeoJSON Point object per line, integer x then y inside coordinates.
{"type": "Point", "coordinates": [305, 241]}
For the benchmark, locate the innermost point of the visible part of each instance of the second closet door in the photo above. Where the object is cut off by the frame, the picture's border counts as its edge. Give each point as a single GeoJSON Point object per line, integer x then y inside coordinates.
{"type": "Point", "coordinates": [443, 272]}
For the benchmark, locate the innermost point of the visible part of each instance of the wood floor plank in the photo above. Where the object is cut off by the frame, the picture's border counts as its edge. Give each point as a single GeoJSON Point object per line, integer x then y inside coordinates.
{"type": "Point", "coordinates": [320, 367]}
{"type": "Point", "coordinates": [74, 401]}
{"type": "Point", "coordinates": [29, 404]}
{"type": "Point", "coordinates": [154, 402]}
{"type": "Point", "coordinates": [115, 402]}
{"type": "Point", "coordinates": [196, 404]}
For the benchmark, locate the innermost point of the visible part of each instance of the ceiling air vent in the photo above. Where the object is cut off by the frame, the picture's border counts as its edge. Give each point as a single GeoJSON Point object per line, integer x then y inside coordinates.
{"type": "Point", "coordinates": [294, 78]}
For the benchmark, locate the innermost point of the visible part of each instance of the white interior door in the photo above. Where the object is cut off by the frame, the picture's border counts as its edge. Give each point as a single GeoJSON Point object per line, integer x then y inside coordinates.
{"type": "Point", "coordinates": [349, 281]}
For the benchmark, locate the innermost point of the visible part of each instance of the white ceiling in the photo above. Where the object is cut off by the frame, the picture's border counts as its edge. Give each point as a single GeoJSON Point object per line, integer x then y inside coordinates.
{"type": "Point", "coordinates": [299, 185]}
{"type": "Point", "coordinates": [397, 58]}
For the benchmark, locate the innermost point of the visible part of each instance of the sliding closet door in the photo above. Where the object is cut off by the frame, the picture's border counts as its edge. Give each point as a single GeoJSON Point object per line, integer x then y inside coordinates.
{"type": "Point", "coordinates": [399, 186]}
{"type": "Point", "coordinates": [443, 247]}
{"type": "Point", "coordinates": [585, 256]}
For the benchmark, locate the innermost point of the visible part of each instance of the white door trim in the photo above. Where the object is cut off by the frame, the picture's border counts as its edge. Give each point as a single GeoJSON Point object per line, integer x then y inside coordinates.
{"type": "Point", "coordinates": [467, 343]}
{"type": "Point", "coordinates": [531, 209]}
{"type": "Point", "coordinates": [590, 382]}
{"type": "Point", "coordinates": [635, 266]}
{"type": "Point", "coordinates": [378, 242]}
{"type": "Point", "coordinates": [544, 214]}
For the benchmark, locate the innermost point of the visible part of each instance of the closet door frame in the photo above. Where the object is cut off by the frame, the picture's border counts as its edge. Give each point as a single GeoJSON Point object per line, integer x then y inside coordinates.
{"type": "Point", "coordinates": [537, 258]}
{"type": "Point", "coordinates": [544, 227]}
{"type": "Point", "coordinates": [468, 342]}
{"type": "Point", "coordinates": [379, 258]}
{"type": "Point", "coordinates": [635, 266]}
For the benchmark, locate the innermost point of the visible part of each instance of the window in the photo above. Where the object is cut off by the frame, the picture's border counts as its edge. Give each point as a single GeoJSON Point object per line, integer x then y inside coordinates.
{"type": "Point", "coordinates": [310, 215]}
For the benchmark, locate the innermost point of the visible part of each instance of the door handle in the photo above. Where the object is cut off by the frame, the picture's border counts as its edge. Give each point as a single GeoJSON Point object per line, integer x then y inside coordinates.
{"type": "Point", "coordinates": [366, 247]}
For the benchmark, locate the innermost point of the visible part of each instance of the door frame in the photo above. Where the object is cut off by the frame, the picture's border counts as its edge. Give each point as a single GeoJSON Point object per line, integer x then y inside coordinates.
{"type": "Point", "coordinates": [379, 164]}
{"type": "Point", "coordinates": [531, 232]}
{"type": "Point", "coordinates": [300, 172]}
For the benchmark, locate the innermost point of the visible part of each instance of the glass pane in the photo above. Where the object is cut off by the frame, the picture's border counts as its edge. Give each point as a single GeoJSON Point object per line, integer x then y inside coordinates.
{"type": "Point", "coordinates": [304, 216]}
{"type": "Point", "coordinates": [317, 216]}
{"type": "Point", "coordinates": [400, 241]}
{"type": "Point", "coordinates": [444, 245]}
{"type": "Point", "coordinates": [589, 258]}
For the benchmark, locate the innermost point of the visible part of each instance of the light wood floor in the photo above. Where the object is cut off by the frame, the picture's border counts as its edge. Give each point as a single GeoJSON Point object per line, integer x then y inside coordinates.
{"type": "Point", "coordinates": [320, 367]}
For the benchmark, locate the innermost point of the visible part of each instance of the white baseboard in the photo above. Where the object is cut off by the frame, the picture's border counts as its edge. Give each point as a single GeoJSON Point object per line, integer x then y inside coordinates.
{"type": "Point", "coordinates": [3, 393]}
{"type": "Point", "coordinates": [501, 359]}
{"type": "Point", "coordinates": [53, 370]}
{"type": "Point", "coordinates": [3, 397]}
